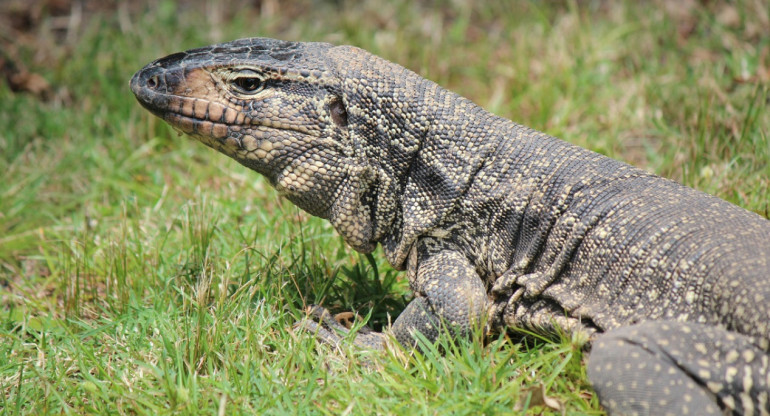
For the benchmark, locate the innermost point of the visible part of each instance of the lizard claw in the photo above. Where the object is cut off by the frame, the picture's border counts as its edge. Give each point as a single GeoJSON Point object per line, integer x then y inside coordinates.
{"type": "Point", "coordinates": [333, 330]}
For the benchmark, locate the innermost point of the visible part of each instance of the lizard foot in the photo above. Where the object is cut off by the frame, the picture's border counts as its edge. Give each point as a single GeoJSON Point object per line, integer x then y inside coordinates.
{"type": "Point", "coordinates": [333, 330]}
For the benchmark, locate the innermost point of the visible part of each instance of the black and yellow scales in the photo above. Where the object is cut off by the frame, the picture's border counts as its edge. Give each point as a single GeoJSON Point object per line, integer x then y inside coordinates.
{"type": "Point", "coordinates": [494, 222]}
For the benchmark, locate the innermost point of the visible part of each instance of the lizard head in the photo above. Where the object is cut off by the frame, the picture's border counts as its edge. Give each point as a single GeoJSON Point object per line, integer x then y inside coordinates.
{"type": "Point", "coordinates": [277, 108]}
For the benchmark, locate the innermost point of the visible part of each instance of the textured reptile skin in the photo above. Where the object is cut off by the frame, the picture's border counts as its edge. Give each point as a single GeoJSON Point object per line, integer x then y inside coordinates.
{"type": "Point", "coordinates": [494, 222]}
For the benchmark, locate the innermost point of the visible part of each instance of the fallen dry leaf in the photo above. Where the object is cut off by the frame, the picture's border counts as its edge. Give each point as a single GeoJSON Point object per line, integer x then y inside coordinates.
{"type": "Point", "coordinates": [538, 397]}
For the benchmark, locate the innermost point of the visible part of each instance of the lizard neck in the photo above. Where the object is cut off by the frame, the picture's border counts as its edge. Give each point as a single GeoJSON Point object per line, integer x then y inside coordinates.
{"type": "Point", "coordinates": [424, 143]}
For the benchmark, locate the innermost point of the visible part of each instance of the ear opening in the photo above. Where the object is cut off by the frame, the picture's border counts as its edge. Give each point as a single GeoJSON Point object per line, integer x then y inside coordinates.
{"type": "Point", "coordinates": [338, 112]}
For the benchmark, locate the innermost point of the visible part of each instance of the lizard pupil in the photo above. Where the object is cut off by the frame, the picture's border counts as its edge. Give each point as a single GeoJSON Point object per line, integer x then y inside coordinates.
{"type": "Point", "coordinates": [248, 84]}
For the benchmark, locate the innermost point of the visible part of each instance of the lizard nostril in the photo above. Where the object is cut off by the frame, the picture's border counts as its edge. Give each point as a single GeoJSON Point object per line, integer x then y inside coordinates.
{"type": "Point", "coordinates": [152, 82]}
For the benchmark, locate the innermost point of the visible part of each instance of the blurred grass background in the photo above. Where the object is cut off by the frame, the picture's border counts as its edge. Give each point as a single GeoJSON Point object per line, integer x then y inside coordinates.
{"type": "Point", "coordinates": [141, 273]}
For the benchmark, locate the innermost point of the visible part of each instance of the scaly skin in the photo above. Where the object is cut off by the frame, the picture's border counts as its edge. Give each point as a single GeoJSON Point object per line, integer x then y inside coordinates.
{"type": "Point", "coordinates": [493, 221]}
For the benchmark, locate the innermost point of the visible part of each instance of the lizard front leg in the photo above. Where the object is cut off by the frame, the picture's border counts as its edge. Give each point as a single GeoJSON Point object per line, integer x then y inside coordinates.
{"type": "Point", "coordinates": [448, 296]}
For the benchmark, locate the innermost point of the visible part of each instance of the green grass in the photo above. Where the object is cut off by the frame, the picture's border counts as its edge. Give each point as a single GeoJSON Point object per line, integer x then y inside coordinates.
{"type": "Point", "coordinates": [141, 273]}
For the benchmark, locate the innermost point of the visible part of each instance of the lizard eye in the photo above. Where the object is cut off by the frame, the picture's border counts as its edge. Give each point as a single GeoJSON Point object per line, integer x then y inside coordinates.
{"type": "Point", "coordinates": [248, 84]}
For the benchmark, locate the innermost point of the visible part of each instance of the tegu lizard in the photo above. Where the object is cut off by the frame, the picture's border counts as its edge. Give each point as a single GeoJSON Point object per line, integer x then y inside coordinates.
{"type": "Point", "coordinates": [493, 222]}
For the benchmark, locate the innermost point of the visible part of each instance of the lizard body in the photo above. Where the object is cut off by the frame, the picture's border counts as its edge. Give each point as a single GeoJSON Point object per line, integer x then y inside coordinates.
{"type": "Point", "coordinates": [494, 221]}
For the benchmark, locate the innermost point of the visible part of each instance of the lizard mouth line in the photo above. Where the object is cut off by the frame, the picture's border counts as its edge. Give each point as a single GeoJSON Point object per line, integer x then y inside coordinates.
{"type": "Point", "coordinates": [201, 116]}
{"type": "Point", "coordinates": [192, 125]}
{"type": "Point", "coordinates": [195, 126]}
